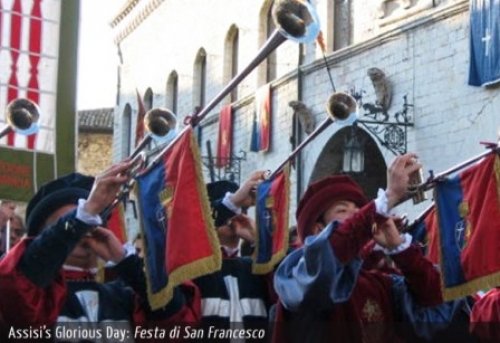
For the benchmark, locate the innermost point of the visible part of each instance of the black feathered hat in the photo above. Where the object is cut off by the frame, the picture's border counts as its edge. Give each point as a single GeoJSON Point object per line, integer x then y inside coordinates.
{"type": "Point", "coordinates": [216, 191]}
{"type": "Point", "coordinates": [54, 195]}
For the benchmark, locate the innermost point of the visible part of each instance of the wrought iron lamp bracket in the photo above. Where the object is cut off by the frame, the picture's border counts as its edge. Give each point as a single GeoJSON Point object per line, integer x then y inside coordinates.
{"type": "Point", "coordinates": [390, 129]}
{"type": "Point", "coordinates": [231, 171]}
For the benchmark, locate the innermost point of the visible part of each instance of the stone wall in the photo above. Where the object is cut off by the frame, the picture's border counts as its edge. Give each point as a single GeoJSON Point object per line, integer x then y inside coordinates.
{"type": "Point", "coordinates": [94, 152]}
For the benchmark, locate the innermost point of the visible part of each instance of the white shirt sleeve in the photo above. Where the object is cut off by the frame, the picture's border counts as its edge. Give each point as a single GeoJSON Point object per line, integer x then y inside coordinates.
{"type": "Point", "coordinates": [407, 238]}
{"type": "Point", "coordinates": [381, 204]}
{"type": "Point", "coordinates": [381, 208]}
{"type": "Point", "coordinates": [229, 204]}
{"type": "Point", "coordinates": [85, 217]}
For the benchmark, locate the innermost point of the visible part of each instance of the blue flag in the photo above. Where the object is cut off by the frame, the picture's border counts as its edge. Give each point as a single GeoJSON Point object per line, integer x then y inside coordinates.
{"type": "Point", "coordinates": [484, 42]}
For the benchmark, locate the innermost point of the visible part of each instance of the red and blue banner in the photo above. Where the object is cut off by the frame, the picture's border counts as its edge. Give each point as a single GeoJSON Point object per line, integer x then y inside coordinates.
{"type": "Point", "coordinates": [272, 208]}
{"type": "Point", "coordinates": [484, 42]}
{"type": "Point", "coordinates": [468, 226]}
{"type": "Point", "coordinates": [180, 242]}
{"type": "Point", "coordinates": [261, 130]}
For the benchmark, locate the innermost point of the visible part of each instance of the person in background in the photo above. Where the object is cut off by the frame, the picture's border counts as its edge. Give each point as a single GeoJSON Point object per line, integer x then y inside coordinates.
{"type": "Point", "coordinates": [247, 296]}
{"type": "Point", "coordinates": [7, 210]}
{"type": "Point", "coordinates": [17, 231]}
{"type": "Point", "coordinates": [139, 245]}
{"type": "Point", "coordinates": [234, 297]}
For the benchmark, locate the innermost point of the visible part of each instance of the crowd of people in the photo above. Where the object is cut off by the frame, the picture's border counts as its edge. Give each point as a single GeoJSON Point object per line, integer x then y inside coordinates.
{"type": "Point", "coordinates": [350, 275]}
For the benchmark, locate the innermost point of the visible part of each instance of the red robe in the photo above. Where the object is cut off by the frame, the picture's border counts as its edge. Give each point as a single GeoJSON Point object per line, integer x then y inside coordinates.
{"type": "Point", "coordinates": [368, 313]}
{"type": "Point", "coordinates": [485, 317]}
{"type": "Point", "coordinates": [24, 304]}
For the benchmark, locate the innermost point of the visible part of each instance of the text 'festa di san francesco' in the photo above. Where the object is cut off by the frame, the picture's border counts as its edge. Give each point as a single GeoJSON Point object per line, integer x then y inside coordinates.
{"type": "Point", "coordinates": [90, 332]}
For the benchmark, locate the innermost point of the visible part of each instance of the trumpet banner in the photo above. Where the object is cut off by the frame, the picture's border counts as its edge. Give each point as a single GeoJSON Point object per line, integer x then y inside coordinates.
{"type": "Point", "coordinates": [180, 242]}
{"type": "Point", "coordinates": [468, 229]}
{"type": "Point", "coordinates": [273, 199]}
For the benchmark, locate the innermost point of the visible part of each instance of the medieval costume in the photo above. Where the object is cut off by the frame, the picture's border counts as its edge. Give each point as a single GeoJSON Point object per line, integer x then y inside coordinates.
{"type": "Point", "coordinates": [326, 292]}
{"type": "Point", "coordinates": [233, 298]}
{"type": "Point", "coordinates": [39, 291]}
{"type": "Point", "coordinates": [485, 316]}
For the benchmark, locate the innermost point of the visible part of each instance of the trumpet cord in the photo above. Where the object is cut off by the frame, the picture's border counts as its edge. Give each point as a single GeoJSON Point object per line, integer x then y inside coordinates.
{"type": "Point", "coordinates": [328, 70]}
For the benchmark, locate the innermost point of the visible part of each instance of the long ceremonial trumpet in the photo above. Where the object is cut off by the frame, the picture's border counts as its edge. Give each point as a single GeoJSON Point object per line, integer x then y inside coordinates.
{"type": "Point", "coordinates": [22, 116]}
{"type": "Point", "coordinates": [340, 107]}
{"type": "Point", "coordinates": [158, 121]}
{"type": "Point", "coordinates": [433, 179]}
{"type": "Point", "coordinates": [296, 20]}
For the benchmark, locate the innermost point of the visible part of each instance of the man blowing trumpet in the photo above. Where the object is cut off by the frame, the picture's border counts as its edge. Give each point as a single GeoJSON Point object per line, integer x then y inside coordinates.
{"type": "Point", "coordinates": [49, 277]}
{"type": "Point", "coordinates": [327, 289]}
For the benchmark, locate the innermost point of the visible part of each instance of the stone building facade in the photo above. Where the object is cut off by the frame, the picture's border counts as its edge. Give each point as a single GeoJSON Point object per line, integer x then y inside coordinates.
{"type": "Point", "coordinates": [95, 140]}
{"type": "Point", "coordinates": [179, 54]}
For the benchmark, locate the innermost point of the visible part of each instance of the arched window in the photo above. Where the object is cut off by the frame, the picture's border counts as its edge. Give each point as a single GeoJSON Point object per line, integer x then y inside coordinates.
{"type": "Point", "coordinates": [148, 99]}
{"type": "Point", "coordinates": [231, 59]}
{"type": "Point", "coordinates": [342, 28]}
{"type": "Point", "coordinates": [126, 131]}
{"type": "Point", "coordinates": [172, 92]}
{"type": "Point", "coordinates": [271, 61]}
{"type": "Point", "coordinates": [200, 79]}
{"type": "Point", "coordinates": [234, 62]}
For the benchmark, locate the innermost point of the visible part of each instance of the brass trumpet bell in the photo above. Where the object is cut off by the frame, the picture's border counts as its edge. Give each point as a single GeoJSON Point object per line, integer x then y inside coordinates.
{"type": "Point", "coordinates": [341, 107]}
{"type": "Point", "coordinates": [296, 20]}
{"type": "Point", "coordinates": [160, 121]}
{"type": "Point", "coordinates": [22, 116]}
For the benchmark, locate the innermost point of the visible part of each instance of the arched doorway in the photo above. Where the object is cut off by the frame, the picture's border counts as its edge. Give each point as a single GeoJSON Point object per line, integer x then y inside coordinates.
{"type": "Point", "coordinates": [330, 161]}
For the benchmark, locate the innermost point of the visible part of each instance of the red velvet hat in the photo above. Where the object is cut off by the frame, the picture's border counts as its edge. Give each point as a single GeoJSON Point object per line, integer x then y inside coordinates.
{"type": "Point", "coordinates": [322, 194]}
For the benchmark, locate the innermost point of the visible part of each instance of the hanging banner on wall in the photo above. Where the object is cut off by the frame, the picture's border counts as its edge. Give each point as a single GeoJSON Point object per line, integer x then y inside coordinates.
{"type": "Point", "coordinates": [484, 42]}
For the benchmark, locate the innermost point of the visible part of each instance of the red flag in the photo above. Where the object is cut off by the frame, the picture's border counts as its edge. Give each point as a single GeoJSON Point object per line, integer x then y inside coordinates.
{"type": "Point", "coordinates": [225, 136]}
{"type": "Point", "coordinates": [180, 241]}
{"type": "Point", "coordinates": [116, 223]}
{"type": "Point", "coordinates": [261, 135]}
{"type": "Point", "coordinates": [139, 128]}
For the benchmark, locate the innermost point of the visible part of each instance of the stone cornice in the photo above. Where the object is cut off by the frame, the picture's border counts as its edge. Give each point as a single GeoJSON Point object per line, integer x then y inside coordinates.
{"type": "Point", "coordinates": [335, 57]}
{"type": "Point", "coordinates": [134, 17]}
{"type": "Point", "coordinates": [126, 9]}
